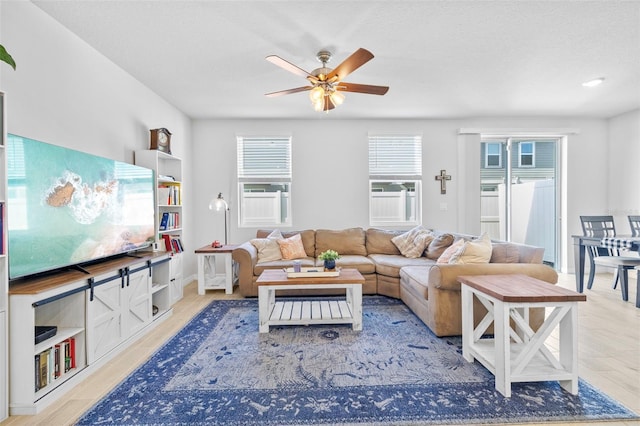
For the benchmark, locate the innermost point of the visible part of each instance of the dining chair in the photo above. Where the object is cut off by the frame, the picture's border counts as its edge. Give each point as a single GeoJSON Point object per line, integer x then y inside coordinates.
{"type": "Point", "coordinates": [634, 223]}
{"type": "Point", "coordinates": [604, 226]}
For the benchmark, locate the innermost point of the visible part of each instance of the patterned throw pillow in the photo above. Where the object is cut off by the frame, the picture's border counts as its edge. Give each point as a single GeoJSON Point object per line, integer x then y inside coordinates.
{"type": "Point", "coordinates": [292, 247]}
{"type": "Point", "coordinates": [475, 251]}
{"type": "Point", "coordinates": [413, 242]}
{"type": "Point", "coordinates": [446, 256]}
{"type": "Point", "coordinates": [268, 248]}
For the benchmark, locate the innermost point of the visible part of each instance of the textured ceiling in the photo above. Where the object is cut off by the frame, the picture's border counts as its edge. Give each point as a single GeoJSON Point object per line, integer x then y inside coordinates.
{"type": "Point", "coordinates": [439, 58]}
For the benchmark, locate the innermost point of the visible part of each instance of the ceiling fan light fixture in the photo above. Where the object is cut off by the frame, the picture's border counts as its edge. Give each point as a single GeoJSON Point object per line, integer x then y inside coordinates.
{"type": "Point", "coordinates": [316, 94]}
{"type": "Point", "coordinates": [337, 98]}
{"type": "Point", "coordinates": [319, 105]}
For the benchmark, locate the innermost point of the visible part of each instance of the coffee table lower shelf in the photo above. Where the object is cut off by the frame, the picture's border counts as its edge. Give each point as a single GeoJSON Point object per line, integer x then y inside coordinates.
{"type": "Point", "coordinates": [306, 312]}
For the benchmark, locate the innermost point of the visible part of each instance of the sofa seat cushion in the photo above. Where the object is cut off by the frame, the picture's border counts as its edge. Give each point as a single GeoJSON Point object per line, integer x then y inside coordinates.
{"type": "Point", "coordinates": [389, 265]}
{"type": "Point", "coordinates": [362, 263]}
{"type": "Point", "coordinates": [305, 262]}
{"type": "Point", "coordinates": [416, 278]}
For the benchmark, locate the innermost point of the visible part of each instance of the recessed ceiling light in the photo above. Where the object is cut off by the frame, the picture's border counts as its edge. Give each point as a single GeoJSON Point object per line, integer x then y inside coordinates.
{"type": "Point", "coordinates": [594, 82]}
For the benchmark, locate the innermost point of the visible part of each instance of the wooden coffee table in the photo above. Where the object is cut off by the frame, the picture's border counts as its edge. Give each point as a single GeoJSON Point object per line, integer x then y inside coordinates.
{"type": "Point", "coordinates": [520, 354]}
{"type": "Point", "coordinates": [305, 312]}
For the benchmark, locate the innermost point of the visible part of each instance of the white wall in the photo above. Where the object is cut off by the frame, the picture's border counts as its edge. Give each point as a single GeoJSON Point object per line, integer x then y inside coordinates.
{"type": "Point", "coordinates": [330, 170]}
{"type": "Point", "coordinates": [624, 171]}
{"type": "Point", "coordinates": [66, 93]}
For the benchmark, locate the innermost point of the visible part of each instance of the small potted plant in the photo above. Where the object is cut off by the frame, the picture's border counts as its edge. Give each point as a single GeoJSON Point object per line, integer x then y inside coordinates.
{"type": "Point", "coordinates": [329, 257]}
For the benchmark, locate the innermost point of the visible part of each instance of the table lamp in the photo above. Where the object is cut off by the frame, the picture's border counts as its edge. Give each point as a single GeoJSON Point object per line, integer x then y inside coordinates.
{"type": "Point", "coordinates": [219, 204]}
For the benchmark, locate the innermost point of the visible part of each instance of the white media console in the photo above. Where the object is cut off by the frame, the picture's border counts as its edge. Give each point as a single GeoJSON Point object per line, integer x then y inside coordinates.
{"type": "Point", "coordinates": [102, 309]}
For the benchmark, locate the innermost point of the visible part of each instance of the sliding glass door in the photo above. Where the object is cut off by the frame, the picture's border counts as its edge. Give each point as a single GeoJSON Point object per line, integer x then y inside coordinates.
{"type": "Point", "coordinates": [518, 178]}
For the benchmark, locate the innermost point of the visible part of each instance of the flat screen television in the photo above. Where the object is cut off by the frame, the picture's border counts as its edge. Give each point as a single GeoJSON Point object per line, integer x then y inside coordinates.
{"type": "Point", "coordinates": [69, 208]}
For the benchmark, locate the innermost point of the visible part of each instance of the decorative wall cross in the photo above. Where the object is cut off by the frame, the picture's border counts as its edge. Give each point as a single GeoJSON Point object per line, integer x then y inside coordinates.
{"type": "Point", "coordinates": [443, 177]}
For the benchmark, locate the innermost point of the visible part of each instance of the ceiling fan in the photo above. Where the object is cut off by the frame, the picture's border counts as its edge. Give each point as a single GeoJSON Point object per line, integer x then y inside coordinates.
{"type": "Point", "coordinates": [326, 83]}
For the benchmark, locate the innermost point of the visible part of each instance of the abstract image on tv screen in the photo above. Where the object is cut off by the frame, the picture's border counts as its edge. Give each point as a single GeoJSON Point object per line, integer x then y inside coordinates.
{"type": "Point", "coordinates": [66, 207]}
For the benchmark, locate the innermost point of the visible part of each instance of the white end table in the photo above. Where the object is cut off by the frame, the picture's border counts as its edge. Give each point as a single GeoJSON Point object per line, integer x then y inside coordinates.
{"type": "Point", "coordinates": [221, 280]}
{"type": "Point", "coordinates": [520, 354]}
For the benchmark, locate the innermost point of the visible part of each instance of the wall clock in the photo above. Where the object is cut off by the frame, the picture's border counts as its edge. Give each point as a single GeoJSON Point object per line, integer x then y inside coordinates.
{"type": "Point", "coordinates": [161, 140]}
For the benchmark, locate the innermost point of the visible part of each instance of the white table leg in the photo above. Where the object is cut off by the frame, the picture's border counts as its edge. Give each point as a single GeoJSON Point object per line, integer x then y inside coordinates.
{"type": "Point", "coordinates": [356, 305]}
{"type": "Point", "coordinates": [264, 296]}
{"type": "Point", "coordinates": [569, 348]}
{"type": "Point", "coordinates": [228, 272]}
{"type": "Point", "coordinates": [201, 258]}
{"type": "Point", "coordinates": [467, 323]}
{"type": "Point", "coordinates": [502, 344]}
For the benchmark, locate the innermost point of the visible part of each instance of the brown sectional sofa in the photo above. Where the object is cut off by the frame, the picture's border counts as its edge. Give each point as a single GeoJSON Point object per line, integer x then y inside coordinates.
{"type": "Point", "coordinates": [429, 289]}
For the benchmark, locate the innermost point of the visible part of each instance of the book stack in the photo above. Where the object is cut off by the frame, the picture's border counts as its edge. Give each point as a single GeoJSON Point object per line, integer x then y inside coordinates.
{"type": "Point", "coordinates": [53, 363]}
{"type": "Point", "coordinates": [169, 220]}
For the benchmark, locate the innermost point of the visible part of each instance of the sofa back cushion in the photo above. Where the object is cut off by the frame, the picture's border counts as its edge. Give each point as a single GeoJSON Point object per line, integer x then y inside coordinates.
{"type": "Point", "coordinates": [438, 245]}
{"type": "Point", "coordinates": [345, 241]}
{"type": "Point", "coordinates": [378, 241]}
{"type": "Point", "coordinates": [506, 252]}
{"type": "Point", "coordinates": [308, 238]}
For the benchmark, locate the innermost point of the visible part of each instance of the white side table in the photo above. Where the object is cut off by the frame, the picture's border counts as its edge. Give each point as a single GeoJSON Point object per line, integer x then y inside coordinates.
{"type": "Point", "coordinates": [216, 280]}
{"type": "Point", "coordinates": [520, 354]}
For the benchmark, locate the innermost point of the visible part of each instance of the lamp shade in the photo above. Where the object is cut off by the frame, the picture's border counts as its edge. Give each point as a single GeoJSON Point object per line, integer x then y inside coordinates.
{"type": "Point", "coordinates": [219, 204]}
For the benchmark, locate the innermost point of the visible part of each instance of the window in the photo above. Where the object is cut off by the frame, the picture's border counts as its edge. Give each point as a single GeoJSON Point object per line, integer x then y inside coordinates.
{"type": "Point", "coordinates": [395, 175]}
{"type": "Point", "coordinates": [493, 155]}
{"type": "Point", "coordinates": [526, 153]}
{"type": "Point", "coordinates": [264, 179]}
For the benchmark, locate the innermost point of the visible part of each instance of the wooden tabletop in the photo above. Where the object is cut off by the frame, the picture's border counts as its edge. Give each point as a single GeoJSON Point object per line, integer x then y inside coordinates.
{"type": "Point", "coordinates": [279, 277]}
{"type": "Point", "coordinates": [228, 248]}
{"type": "Point", "coordinates": [520, 288]}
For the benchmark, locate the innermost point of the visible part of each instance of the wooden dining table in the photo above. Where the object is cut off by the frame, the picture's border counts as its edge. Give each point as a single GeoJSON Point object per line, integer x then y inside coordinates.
{"type": "Point", "coordinates": [580, 244]}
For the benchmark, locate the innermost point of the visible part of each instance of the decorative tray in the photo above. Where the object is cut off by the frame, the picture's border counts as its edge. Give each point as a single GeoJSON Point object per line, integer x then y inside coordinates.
{"type": "Point", "coordinates": [311, 272]}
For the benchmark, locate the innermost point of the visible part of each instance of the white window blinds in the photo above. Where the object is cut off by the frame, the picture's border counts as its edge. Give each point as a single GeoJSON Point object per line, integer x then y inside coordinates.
{"type": "Point", "coordinates": [395, 157]}
{"type": "Point", "coordinates": [264, 159]}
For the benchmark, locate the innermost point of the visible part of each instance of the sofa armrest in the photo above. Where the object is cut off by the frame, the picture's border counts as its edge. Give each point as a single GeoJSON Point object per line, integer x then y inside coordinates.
{"type": "Point", "coordinates": [445, 276]}
{"type": "Point", "coordinates": [246, 256]}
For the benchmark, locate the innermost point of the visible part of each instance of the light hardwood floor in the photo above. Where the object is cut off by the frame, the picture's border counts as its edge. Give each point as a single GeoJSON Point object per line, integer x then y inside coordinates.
{"type": "Point", "coordinates": [609, 351]}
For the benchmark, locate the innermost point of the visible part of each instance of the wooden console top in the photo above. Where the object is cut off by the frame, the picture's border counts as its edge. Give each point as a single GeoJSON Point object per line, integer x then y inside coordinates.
{"type": "Point", "coordinates": [520, 288]}
{"type": "Point", "coordinates": [43, 283]}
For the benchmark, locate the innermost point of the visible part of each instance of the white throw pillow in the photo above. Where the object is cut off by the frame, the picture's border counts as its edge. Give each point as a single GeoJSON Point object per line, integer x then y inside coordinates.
{"type": "Point", "coordinates": [475, 251]}
{"type": "Point", "coordinates": [268, 248]}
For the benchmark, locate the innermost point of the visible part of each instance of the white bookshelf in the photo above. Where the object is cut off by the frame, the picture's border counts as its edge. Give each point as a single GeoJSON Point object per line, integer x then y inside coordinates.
{"type": "Point", "coordinates": [168, 175]}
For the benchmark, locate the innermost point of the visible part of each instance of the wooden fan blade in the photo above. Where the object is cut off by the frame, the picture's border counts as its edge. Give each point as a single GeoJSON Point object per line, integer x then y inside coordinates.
{"type": "Point", "coordinates": [289, 91]}
{"type": "Point", "coordinates": [352, 63]}
{"type": "Point", "coordinates": [277, 60]}
{"type": "Point", "coordinates": [362, 88]}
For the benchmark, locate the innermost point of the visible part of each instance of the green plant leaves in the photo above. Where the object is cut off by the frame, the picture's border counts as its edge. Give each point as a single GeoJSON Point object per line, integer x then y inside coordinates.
{"type": "Point", "coordinates": [6, 57]}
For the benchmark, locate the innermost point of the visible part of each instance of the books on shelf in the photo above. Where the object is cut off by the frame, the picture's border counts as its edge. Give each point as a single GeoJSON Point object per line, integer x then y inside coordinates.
{"type": "Point", "coordinates": [169, 194]}
{"type": "Point", "coordinates": [52, 363]}
{"type": "Point", "coordinates": [173, 243]}
{"type": "Point", "coordinates": [169, 220]}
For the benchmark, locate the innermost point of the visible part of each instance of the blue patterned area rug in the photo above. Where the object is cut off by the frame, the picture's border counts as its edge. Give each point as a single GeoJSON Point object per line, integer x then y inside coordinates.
{"type": "Point", "coordinates": [218, 370]}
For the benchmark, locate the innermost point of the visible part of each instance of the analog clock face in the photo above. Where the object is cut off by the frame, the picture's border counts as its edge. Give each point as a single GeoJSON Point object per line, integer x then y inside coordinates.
{"type": "Point", "coordinates": [162, 138]}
